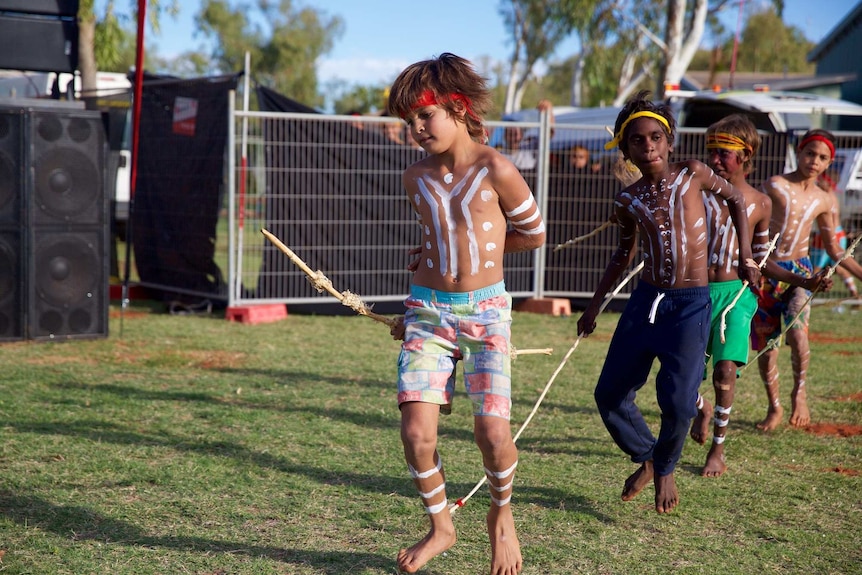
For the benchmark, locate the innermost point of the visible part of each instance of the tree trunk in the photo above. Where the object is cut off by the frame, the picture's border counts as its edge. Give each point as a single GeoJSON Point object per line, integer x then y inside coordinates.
{"type": "Point", "coordinates": [87, 58]}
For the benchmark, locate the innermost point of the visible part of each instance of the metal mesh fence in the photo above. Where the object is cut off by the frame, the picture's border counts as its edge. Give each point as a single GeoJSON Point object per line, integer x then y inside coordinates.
{"type": "Point", "coordinates": [330, 188]}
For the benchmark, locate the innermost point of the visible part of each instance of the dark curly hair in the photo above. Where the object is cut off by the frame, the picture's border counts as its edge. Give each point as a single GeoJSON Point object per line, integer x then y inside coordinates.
{"type": "Point", "coordinates": [452, 81]}
{"type": "Point", "coordinates": [642, 103]}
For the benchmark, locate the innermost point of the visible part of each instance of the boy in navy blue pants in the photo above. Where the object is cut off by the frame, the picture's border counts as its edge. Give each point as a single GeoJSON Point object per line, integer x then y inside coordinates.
{"type": "Point", "coordinates": [668, 315]}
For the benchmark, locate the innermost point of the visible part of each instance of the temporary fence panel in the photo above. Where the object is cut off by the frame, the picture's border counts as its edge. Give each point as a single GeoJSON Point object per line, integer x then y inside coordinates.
{"type": "Point", "coordinates": [329, 187]}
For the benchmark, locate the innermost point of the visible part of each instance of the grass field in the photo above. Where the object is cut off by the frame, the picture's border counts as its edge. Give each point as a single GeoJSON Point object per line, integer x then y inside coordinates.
{"type": "Point", "coordinates": [193, 445]}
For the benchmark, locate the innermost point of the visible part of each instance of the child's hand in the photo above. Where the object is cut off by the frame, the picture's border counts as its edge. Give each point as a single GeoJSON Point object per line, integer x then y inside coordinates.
{"type": "Point", "coordinates": [414, 264]}
{"type": "Point", "coordinates": [818, 282]}
{"type": "Point", "coordinates": [586, 324]}
{"type": "Point", "coordinates": [750, 272]}
{"type": "Point", "coordinates": [397, 329]}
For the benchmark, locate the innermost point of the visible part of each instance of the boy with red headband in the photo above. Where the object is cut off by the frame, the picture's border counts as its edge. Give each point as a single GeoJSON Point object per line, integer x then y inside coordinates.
{"type": "Point", "coordinates": [473, 206]}
{"type": "Point", "coordinates": [668, 315]}
{"type": "Point", "coordinates": [797, 202]}
{"type": "Point", "coordinates": [732, 143]}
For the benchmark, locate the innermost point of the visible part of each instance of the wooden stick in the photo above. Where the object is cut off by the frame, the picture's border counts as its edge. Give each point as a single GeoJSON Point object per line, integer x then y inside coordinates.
{"type": "Point", "coordinates": [322, 283]}
{"type": "Point", "coordinates": [579, 239]}
{"type": "Point", "coordinates": [829, 271]}
{"type": "Point", "coordinates": [769, 248]}
{"type": "Point", "coordinates": [460, 502]}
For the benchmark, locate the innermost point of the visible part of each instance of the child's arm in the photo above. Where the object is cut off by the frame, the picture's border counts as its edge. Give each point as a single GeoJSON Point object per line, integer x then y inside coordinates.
{"type": "Point", "coordinates": [748, 270]}
{"type": "Point", "coordinates": [818, 281]}
{"type": "Point", "coordinates": [620, 261]}
{"type": "Point", "coordinates": [830, 242]}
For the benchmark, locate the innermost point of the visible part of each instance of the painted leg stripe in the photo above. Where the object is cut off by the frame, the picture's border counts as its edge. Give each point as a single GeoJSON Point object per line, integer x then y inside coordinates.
{"type": "Point", "coordinates": [433, 492]}
{"type": "Point", "coordinates": [501, 474]}
{"type": "Point", "coordinates": [501, 502]}
{"type": "Point", "coordinates": [435, 509]}
{"type": "Point", "coordinates": [425, 474]}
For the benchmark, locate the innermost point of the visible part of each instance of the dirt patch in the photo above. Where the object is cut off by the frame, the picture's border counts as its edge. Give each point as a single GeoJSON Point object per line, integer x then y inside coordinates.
{"type": "Point", "coordinates": [852, 397]}
{"type": "Point", "coordinates": [115, 313]}
{"type": "Point", "coordinates": [844, 471]}
{"type": "Point", "coordinates": [826, 338]}
{"type": "Point", "coordinates": [214, 359]}
{"type": "Point", "coordinates": [835, 429]}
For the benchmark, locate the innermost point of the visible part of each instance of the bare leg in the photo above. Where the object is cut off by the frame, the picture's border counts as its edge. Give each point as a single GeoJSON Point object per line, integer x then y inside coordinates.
{"type": "Point", "coordinates": [666, 494]}
{"type": "Point", "coordinates": [800, 357]}
{"type": "Point", "coordinates": [724, 382]}
{"type": "Point", "coordinates": [637, 481]}
{"type": "Point", "coordinates": [419, 436]}
{"type": "Point", "coordinates": [700, 425]}
{"type": "Point", "coordinates": [768, 365]}
{"type": "Point", "coordinates": [500, 456]}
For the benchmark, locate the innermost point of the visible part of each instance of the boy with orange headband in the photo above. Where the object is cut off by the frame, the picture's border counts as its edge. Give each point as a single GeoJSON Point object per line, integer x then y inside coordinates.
{"type": "Point", "coordinates": [797, 202]}
{"type": "Point", "coordinates": [668, 315]}
{"type": "Point", "coordinates": [473, 206]}
{"type": "Point", "coordinates": [732, 143]}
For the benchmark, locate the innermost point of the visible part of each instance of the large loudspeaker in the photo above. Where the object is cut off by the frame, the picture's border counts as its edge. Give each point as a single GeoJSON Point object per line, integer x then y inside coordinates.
{"type": "Point", "coordinates": [11, 228]}
{"type": "Point", "coordinates": [69, 225]}
{"type": "Point", "coordinates": [54, 226]}
{"type": "Point", "coordinates": [38, 44]}
{"type": "Point", "coordinates": [68, 8]}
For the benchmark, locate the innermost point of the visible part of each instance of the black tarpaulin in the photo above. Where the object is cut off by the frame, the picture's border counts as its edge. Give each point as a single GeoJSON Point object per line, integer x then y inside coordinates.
{"type": "Point", "coordinates": [330, 187]}
{"type": "Point", "coordinates": [183, 134]}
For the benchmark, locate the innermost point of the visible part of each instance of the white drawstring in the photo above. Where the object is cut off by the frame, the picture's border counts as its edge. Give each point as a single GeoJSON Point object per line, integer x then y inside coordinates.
{"type": "Point", "coordinates": [654, 307]}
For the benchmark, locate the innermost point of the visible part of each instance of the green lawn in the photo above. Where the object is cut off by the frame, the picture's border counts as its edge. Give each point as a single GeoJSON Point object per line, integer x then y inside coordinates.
{"type": "Point", "coordinates": [193, 445]}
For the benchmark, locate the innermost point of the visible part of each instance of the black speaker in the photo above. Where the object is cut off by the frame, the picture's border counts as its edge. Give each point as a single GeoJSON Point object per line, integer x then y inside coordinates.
{"type": "Point", "coordinates": [68, 231]}
{"type": "Point", "coordinates": [11, 226]}
{"type": "Point", "coordinates": [38, 44]}
{"type": "Point", "coordinates": [68, 8]}
{"type": "Point", "coordinates": [54, 224]}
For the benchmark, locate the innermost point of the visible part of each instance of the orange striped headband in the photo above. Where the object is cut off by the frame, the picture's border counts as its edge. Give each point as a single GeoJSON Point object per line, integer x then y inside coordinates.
{"type": "Point", "coordinates": [726, 141]}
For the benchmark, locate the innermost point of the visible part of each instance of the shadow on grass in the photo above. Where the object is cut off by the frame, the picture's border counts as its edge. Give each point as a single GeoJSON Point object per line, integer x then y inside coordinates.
{"type": "Point", "coordinates": [85, 525]}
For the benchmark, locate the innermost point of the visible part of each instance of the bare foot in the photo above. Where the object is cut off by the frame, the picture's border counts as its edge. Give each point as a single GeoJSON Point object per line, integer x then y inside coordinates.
{"type": "Point", "coordinates": [436, 542]}
{"type": "Point", "coordinates": [800, 416]}
{"type": "Point", "coordinates": [715, 463]}
{"type": "Point", "coordinates": [505, 547]}
{"type": "Point", "coordinates": [700, 426]}
{"type": "Point", "coordinates": [637, 481]}
{"type": "Point", "coordinates": [773, 418]}
{"type": "Point", "coordinates": [666, 495]}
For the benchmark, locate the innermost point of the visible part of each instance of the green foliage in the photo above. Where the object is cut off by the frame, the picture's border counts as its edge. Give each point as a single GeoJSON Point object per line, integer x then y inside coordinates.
{"type": "Point", "coordinates": [768, 45]}
{"type": "Point", "coordinates": [283, 52]}
{"type": "Point", "coordinates": [185, 444]}
{"type": "Point", "coordinates": [362, 99]}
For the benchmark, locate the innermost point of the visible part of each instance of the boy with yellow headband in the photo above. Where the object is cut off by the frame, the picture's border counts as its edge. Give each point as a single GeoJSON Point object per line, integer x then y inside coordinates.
{"type": "Point", "coordinates": [797, 202]}
{"type": "Point", "coordinates": [668, 315]}
{"type": "Point", "coordinates": [473, 206]}
{"type": "Point", "coordinates": [731, 144]}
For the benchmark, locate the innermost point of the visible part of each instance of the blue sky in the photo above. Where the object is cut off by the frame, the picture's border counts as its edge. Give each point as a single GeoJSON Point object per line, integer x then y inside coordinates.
{"type": "Point", "coordinates": [381, 37]}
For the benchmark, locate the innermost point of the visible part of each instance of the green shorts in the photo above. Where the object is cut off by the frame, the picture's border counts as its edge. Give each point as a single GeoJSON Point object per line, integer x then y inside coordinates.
{"type": "Point", "coordinates": [738, 322]}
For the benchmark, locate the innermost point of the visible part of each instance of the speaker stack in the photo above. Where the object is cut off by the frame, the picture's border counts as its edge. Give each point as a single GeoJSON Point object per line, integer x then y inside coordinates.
{"type": "Point", "coordinates": [39, 35]}
{"type": "Point", "coordinates": [54, 225]}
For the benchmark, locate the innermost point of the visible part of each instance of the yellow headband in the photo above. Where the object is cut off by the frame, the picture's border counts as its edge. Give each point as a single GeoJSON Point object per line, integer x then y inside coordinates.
{"type": "Point", "coordinates": [643, 114]}
{"type": "Point", "coordinates": [727, 141]}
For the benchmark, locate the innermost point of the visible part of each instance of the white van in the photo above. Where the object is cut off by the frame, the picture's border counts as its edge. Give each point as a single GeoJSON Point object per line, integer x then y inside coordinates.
{"type": "Point", "coordinates": [772, 112]}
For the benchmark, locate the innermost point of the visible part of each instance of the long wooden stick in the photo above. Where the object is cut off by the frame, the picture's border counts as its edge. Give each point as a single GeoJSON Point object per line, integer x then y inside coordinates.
{"type": "Point", "coordinates": [321, 283]}
{"type": "Point", "coordinates": [579, 239]}
{"type": "Point", "coordinates": [769, 248]}
{"type": "Point", "coordinates": [460, 502]}
{"type": "Point", "coordinates": [772, 343]}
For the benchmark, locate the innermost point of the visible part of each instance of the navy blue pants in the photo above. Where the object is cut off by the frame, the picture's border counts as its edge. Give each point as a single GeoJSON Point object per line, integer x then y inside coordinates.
{"type": "Point", "coordinates": [671, 325]}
